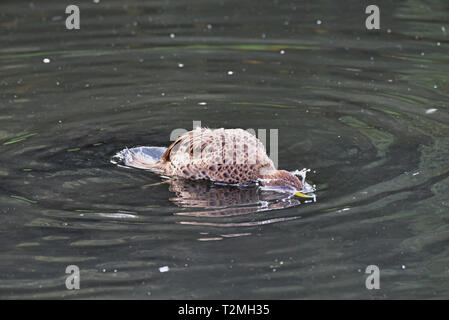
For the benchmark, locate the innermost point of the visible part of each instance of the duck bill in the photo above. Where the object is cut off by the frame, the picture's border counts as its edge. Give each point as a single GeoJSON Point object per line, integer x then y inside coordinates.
{"type": "Point", "coordinates": [307, 196]}
{"type": "Point", "coordinates": [301, 195]}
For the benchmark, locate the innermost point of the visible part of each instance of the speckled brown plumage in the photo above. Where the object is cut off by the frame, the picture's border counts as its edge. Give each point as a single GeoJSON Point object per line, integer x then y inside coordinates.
{"type": "Point", "coordinates": [224, 155]}
{"type": "Point", "coordinates": [232, 156]}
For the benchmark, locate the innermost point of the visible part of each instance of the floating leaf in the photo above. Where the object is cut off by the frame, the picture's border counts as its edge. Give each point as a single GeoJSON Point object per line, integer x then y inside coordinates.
{"type": "Point", "coordinates": [18, 139]}
{"type": "Point", "coordinates": [23, 199]}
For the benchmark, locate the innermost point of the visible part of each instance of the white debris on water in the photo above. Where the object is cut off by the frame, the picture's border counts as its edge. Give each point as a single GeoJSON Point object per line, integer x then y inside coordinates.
{"type": "Point", "coordinates": [431, 110]}
{"type": "Point", "coordinates": [164, 269]}
{"type": "Point", "coordinates": [118, 215]}
{"type": "Point", "coordinates": [46, 60]}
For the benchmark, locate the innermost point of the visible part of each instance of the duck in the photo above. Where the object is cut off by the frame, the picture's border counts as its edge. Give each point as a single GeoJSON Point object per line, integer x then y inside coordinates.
{"type": "Point", "coordinates": [224, 156]}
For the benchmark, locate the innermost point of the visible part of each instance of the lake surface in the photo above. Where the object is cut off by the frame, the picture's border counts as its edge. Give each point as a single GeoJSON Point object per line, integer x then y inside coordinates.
{"type": "Point", "coordinates": [365, 110]}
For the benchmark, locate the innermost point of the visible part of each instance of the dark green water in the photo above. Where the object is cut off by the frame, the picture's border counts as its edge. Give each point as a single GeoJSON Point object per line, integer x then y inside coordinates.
{"type": "Point", "coordinates": [355, 106]}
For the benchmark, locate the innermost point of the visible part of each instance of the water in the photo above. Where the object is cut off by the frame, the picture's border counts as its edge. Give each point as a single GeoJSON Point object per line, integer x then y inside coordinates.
{"type": "Point", "coordinates": [367, 111]}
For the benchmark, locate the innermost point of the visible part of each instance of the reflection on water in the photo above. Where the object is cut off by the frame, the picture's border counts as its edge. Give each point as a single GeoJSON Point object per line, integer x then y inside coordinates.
{"type": "Point", "coordinates": [367, 110]}
{"type": "Point", "coordinates": [218, 201]}
{"type": "Point", "coordinates": [225, 201]}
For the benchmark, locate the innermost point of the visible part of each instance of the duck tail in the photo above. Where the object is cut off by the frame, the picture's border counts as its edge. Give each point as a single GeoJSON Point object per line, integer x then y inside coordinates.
{"type": "Point", "coordinates": [140, 157]}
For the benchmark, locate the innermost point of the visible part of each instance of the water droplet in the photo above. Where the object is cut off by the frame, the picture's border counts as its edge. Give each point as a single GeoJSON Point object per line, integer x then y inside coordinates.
{"type": "Point", "coordinates": [318, 22]}
{"type": "Point", "coordinates": [282, 52]}
{"type": "Point", "coordinates": [438, 44]}
{"type": "Point", "coordinates": [172, 35]}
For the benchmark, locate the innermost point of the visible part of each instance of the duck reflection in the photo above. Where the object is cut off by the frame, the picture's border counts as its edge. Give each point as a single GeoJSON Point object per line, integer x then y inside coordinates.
{"type": "Point", "coordinates": [225, 200]}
